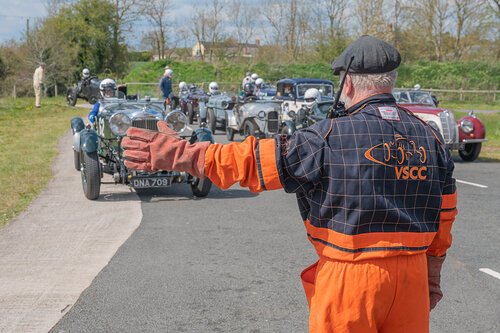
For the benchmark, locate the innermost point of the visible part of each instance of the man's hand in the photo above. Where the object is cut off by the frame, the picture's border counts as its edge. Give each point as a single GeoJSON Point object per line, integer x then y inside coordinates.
{"type": "Point", "coordinates": [164, 150]}
{"type": "Point", "coordinates": [434, 265]}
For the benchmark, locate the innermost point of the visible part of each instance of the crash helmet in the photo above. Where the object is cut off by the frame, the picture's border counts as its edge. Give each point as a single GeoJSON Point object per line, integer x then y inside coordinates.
{"type": "Point", "coordinates": [312, 96]}
{"type": "Point", "coordinates": [259, 82]}
{"type": "Point", "coordinates": [213, 87]}
{"type": "Point", "coordinates": [192, 87]}
{"type": "Point", "coordinates": [166, 67]}
{"type": "Point", "coordinates": [254, 77]}
{"type": "Point", "coordinates": [183, 86]}
{"type": "Point", "coordinates": [85, 73]}
{"type": "Point", "coordinates": [416, 87]}
{"type": "Point", "coordinates": [169, 73]}
{"type": "Point", "coordinates": [107, 88]}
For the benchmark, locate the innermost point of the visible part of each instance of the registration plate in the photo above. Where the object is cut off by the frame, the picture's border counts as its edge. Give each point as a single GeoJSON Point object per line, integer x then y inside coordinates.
{"type": "Point", "coordinates": [143, 182]}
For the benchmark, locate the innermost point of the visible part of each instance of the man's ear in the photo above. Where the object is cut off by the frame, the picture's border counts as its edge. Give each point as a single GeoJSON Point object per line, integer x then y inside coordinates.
{"type": "Point", "coordinates": [347, 85]}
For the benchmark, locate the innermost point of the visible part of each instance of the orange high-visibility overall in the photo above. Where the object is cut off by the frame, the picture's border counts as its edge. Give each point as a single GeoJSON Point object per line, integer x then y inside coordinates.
{"type": "Point", "coordinates": [376, 193]}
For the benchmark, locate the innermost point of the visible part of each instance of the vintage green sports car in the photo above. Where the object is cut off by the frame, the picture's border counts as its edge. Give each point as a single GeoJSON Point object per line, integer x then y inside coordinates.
{"type": "Point", "coordinates": [97, 147]}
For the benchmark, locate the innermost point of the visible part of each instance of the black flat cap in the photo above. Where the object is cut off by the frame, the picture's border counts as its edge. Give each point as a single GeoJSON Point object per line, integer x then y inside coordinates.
{"type": "Point", "coordinates": [371, 55]}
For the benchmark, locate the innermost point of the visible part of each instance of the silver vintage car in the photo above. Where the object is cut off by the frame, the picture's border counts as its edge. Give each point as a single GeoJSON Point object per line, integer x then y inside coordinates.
{"type": "Point", "coordinates": [260, 117]}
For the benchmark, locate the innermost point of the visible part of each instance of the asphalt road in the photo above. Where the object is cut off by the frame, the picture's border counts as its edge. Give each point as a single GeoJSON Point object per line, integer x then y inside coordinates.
{"type": "Point", "coordinates": [231, 263]}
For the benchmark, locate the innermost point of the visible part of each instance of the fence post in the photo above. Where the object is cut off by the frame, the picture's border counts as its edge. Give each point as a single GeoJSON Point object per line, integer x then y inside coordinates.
{"type": "Point", "coordinates": [461, 95]}
{"type": "Point", "coordinates": [55, 90]}
{"type": "Point", "coordinates": [14, 94]}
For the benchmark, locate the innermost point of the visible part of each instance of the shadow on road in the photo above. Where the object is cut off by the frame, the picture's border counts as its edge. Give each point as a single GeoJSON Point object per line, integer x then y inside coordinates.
{"type": "Point", "coordinates": [183, 192]}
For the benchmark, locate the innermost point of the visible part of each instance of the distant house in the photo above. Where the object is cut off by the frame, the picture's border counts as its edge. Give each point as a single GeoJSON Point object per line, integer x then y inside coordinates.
{"type": "Point", "coordinates": [231, 48]}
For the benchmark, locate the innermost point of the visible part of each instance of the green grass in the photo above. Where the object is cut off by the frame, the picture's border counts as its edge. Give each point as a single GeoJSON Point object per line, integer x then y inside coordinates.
{"type": "Point", "coordinates": [470, 106]}
{"type": "Point", "coordinates": [490, 150]}
{"type": "Point", "coordinates": [28, 137]}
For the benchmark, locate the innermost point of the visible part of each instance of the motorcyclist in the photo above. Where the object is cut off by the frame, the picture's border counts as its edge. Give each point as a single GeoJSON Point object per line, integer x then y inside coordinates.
{"type": "Point", "coordinates": [254, 77]}
{"type": "Point", "coordinates": [107, 89]}
{"type": "Point", "coordinates": [247, 79]}
{"type": "Point", "coordinates": [213, 89]}
{"type": "Point", "coordinates": [183, 89]}
{"type": "Point", "coordinates": [259, 84]}
{"type": "Point", "coordinates": [312, 97]}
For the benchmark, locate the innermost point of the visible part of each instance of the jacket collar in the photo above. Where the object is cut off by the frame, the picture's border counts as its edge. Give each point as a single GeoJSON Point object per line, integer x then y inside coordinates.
{"type": "Point", "coordinates": [380, 98]}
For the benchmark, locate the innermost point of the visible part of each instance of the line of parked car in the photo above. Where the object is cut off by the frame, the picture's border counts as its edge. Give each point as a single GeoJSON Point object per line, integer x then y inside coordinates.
{"type": "Point", "coordinates": [279, 110]}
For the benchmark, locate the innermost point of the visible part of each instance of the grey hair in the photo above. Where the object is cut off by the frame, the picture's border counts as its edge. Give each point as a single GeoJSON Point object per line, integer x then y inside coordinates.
{"type": "Point", "coordinates": [379, 81]}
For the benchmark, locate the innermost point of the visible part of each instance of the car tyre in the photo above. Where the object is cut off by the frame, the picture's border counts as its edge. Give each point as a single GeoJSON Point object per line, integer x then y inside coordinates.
{"type": "Point", "coordinates": [229, 133]}
{"type": "Point", "coordinates": [470, 152]}
{"type": "Point", "coordinates": [71, 96]}
{"type": "Point", "coordinates": [91, 175]}
{"type": "Point", "coordinates": [249, 129]}
{"type": "Point", "coordinates": [190, 112]}
{"type": "Point", "coordinates": [201, 187]}
{"type": "Point", "coordinates": [211, 122]}
{"type": "Point", "coordinates": [76, 159]}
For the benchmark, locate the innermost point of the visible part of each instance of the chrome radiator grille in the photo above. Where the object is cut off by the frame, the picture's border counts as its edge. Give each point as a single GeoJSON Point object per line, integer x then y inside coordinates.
{"type": "Point", "coordinates": [147, 123]}
{"type": "Point", "coordinates": [449, 125]}
{"type": "Point", "coordinates": [272, 122]}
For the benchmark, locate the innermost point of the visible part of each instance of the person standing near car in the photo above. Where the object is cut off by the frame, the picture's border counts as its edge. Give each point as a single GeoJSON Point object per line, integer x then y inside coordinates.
{"type": "Point", "coordinates": [38, 86]}
{"type": "Point", "coordinates": [375, 190]}
{"type": "Point", "coordinates": [166, 86]}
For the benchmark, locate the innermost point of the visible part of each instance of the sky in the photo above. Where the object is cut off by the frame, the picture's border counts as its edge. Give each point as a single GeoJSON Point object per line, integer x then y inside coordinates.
{"type": "Point", "coordinates": [15, 13]}
{"type": "Point", "coordinates": [13, 16]}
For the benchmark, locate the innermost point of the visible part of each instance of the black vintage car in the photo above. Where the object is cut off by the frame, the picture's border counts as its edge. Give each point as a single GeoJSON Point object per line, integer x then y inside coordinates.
{"type": "Point", "coordinates": [85, 89]}
{"type": "Point", "coordinates": [97, 148]}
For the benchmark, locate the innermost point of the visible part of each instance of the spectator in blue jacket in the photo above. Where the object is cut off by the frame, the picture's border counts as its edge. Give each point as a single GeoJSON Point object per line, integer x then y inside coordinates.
{"type": "Point", "coordinates": [166, 84]}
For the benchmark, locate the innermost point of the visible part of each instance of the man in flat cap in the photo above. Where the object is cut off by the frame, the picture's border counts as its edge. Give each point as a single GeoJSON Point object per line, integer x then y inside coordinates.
{"type": "Point", "coordinates": [38, 79]}
{"type": "Point", "coordinates": [374, 188]}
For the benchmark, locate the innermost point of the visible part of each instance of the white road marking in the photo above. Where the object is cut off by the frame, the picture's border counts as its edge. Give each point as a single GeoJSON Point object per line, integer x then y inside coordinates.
{"type": "Point", "coordinates": [472, 184]}
{"type": "Point", "coordinates": [490, 272]}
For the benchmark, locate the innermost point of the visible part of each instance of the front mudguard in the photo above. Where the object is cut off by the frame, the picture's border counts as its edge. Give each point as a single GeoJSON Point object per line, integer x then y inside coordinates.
{"type": "Point", "coordinates": [89, 140]}
{"type": "Point", "coordinates": [291, 126]}
{"type": "Point", "coordinates": [76, 126]}
{"type": "Point", "coordinates": [202, 134]}
{"type": "Point", "coordinates": [479, 131]}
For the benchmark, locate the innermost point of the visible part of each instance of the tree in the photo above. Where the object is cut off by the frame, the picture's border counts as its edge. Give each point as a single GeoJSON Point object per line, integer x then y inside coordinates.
{"type": "Point", "coordinates": [156, 13]}
{"type": "Point", "coordinates": [430, 18]}
{"type": "Point", "coordinates": [371, 18]}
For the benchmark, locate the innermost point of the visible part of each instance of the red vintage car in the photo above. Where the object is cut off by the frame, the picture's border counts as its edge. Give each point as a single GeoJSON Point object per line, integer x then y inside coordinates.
{"type": "Point", "coordinates": [464, 135]}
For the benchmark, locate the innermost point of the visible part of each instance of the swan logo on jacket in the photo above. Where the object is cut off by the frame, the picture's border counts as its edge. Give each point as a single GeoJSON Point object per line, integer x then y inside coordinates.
{"type": "Point", "coordinates": [403, 155]}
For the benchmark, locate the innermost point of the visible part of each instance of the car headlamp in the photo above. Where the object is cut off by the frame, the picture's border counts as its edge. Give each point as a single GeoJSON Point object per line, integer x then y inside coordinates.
{"type": "Point", "coordinates": [177, 121]}
{"type": "Point", "coordinates": [262, 115]}
{"type": "Point", "coordinates": [467, 126]}
{"type": "Point", "coordinates": [291, 114]}
{"type": "Point", "coordinates": [119, 123]}
{"type": "Point", "coordinates": [433, 125]}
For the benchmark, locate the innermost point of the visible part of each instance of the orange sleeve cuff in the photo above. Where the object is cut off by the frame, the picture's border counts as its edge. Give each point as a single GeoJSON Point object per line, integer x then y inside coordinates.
{"type": "Point", "coordinates": [442, 241]}
{"type": "Point", "coordinates": [251, 163]}
{"type": "Point", "coordinates": [269, 170]}
{"type": "Point", "coordinates": [226, 165]}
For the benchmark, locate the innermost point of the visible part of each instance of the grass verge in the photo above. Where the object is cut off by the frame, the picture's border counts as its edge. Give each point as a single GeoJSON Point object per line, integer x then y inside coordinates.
{"type": "Point", "coordinates": [490, 151]}
{"type": "Point", "coordinates": [28, 138]}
